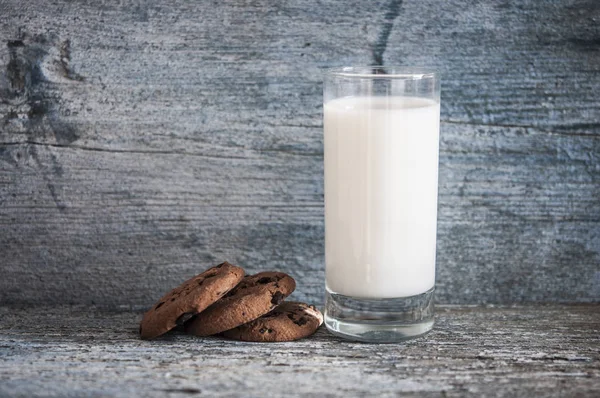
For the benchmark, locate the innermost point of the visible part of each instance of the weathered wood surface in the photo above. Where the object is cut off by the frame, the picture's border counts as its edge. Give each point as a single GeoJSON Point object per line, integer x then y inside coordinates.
{"type": "Point", "coordinates": [141, 142]}
{"type": "Point", "coordinates": [544, 351]}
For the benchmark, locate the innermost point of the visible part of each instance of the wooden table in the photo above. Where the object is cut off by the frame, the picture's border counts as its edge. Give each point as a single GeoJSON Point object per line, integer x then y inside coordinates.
{"type": "Point", "coordinates": [534, 350]}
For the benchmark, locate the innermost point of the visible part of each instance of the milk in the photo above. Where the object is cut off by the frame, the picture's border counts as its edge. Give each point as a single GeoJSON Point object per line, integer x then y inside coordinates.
{"type": "Point", "coordinates": [381, 174]}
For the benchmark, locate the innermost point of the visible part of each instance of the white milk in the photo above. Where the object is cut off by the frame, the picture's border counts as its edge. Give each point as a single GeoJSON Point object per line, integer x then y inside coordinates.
{"type": "Point", "coordinates": [381, 171]}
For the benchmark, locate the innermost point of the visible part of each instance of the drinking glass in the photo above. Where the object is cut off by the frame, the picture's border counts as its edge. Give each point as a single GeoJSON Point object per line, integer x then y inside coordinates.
{"type": "Point", "coordinates": [381, 138]}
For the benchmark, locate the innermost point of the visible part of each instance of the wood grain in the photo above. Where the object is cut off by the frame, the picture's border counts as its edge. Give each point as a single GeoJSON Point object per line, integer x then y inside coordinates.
{"type": "Point", "coordinates": [141, 143]}
{"type": "Point", "coordinates": [521, 351]}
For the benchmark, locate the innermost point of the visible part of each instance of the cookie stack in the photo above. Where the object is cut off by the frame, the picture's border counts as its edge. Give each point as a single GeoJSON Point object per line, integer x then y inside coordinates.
{"type": "Point", "coordinates": [221, 300]}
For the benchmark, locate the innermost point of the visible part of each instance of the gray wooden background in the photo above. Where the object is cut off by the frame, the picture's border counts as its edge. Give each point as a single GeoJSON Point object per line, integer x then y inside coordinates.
{"type": "Point", "coordinates": [142, 141]}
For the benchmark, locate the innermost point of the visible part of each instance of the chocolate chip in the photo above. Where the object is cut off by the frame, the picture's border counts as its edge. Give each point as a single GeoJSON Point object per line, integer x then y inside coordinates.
{"type": "Point", "coordinates": [200, 282]}
{"type": "Point", "coordinates": [210, 276]}
{"type": "Point", "coordinates": [301, 321]}
{"type": "Point", "coordinates": [220, 265]}
{"type": "Point", "coordinates": [269, 330]}
{"type": "Point", "coordinates": [264, 280]}
{"type": "Point", "coordinates": [262, 330]}
{"type": "Point", "coordinates": [272, 314]}
{"type": "Point", "coordinates": [277, 298]}
{"type": "Point", "coordinates": [173, 299]}
{"type": "Point", "coordinates": [184, 318]}
{"type": "Point", "coordinates": [158, 305]}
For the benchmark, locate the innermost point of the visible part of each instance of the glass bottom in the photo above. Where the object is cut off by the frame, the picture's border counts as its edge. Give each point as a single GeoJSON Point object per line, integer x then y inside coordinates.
{"type": "Point", "coordinates": [379, 320]}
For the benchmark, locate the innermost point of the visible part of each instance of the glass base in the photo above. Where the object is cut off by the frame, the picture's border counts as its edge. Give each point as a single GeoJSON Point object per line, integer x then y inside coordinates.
{"type": "Point", "coordinates": [379, 320]}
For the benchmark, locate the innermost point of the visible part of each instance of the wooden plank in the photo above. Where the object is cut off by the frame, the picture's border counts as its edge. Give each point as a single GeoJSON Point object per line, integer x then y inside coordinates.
{"type": "Point", "coordinates": [140, 144]}
{"type": "Point", "coordinates": [532, 63]}
{"type": "Point", "coordinates": [549, 351]}
{"type": "Point", "coordinates": [113, 228]}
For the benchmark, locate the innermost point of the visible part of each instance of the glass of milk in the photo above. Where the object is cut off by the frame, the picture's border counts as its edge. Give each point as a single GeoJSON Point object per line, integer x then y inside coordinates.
{"type": "Point", "coordinates": [381, 138]}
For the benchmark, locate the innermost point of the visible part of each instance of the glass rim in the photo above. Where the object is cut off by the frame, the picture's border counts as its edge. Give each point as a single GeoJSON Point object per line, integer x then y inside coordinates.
{"type": "Point", "coordinates": [370, 72]}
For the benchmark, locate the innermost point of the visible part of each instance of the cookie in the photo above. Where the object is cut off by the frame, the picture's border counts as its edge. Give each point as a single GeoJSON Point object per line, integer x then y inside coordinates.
{"type": "Point", "coordinates": [290, 321]}
{"type": "Point", "coordinates": [256, 295]}
{"type": "Point", "coordinates": [189, 298]}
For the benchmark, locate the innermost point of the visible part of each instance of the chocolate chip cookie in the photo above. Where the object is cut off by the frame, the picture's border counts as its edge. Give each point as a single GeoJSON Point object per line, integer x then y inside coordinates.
{"type": "Point", "coordinates": [189, 298]}
{"type": "Point", "coordinates": [255, 296]}
{"type": "Point", "coordinates": [290, 321]}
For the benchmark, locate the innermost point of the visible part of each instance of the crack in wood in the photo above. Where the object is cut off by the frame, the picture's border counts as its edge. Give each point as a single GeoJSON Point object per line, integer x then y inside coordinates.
{"type": "Point", "coordinates": [58, 171]}
{"type": "Point", "coordinates": [561, 130]}
{"type": "Point", "coordinates": [97, 149]}
{"type": "Point", "coordinates": [392, 12]}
